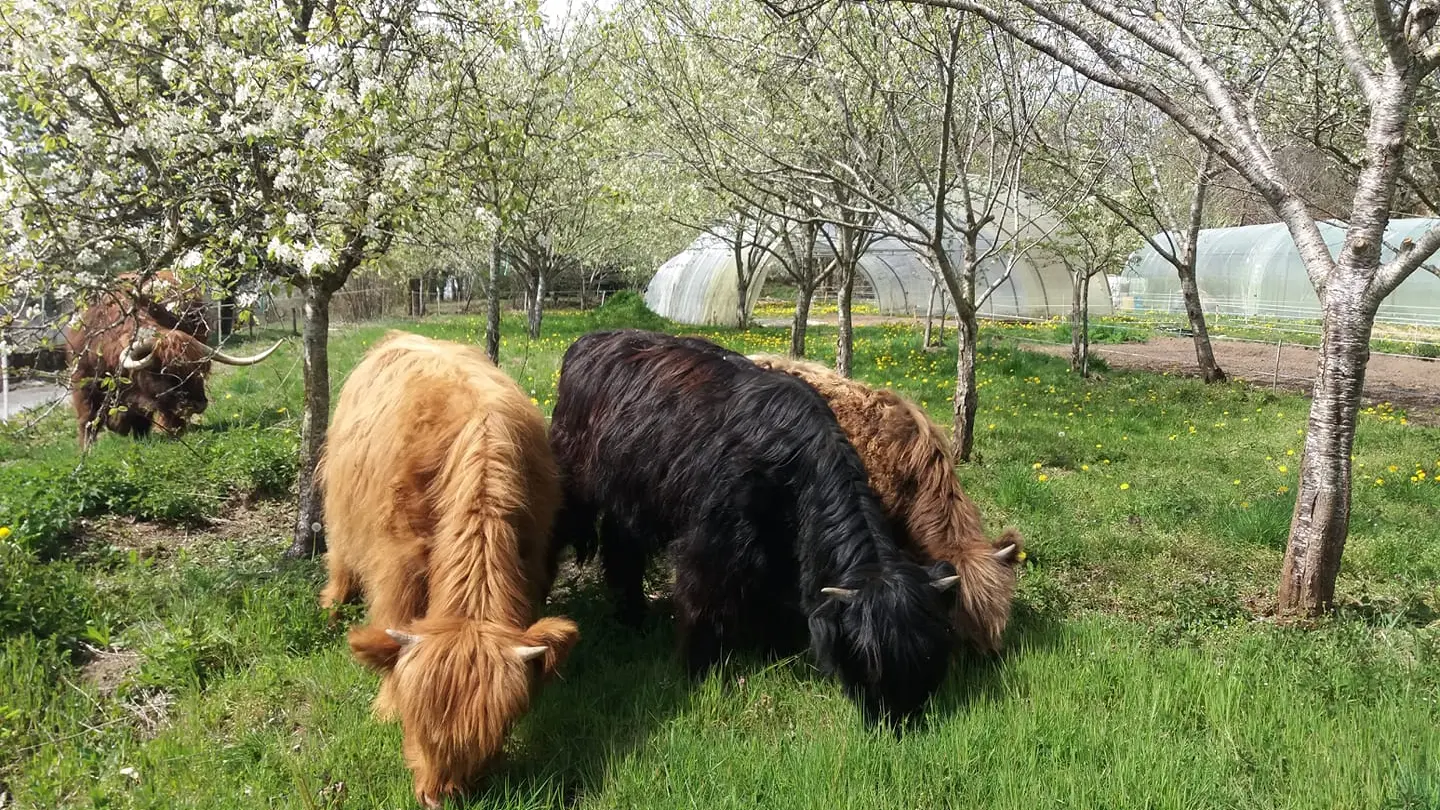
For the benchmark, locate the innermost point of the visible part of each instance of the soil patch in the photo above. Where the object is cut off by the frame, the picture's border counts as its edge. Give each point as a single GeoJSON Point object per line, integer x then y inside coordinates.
{"type": "Point", "coordinates": [1404, 382]}
{"type": "Point", "coordinates": [261, 521]}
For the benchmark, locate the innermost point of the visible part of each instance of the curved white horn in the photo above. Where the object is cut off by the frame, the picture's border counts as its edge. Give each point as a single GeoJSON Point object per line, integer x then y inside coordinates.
{"type": "Point", "coordinates": [1004, 553]}
{"type": "Point", "coordinates": [944, 583]}
{"type": "Point", "coordinates": [843, 594]}
{"type": "Point", "coordinates": [147, 359]}
{"type": "Point", "coordinates": [530, 653]}
{"type": "Point", "coordinates": [404, 639]}
{"type": "Point", "coordinates": [231, 360]}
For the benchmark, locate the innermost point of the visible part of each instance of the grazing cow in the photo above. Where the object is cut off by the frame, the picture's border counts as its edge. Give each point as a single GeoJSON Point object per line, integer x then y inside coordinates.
{"type": "Point", "coordinates": [912, 470]}
{"type": "Point", "coordinates": [440, 492]}
{"type": "Point", "coordinates": [771, 525]}
{"type": "Point", "coordinates": [168, 302]}
{"type": "Point", "coordinates": [134, 371]}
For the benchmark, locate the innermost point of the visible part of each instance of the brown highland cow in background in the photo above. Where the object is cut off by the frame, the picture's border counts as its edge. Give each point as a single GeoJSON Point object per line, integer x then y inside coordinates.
{"type": "Point", "coordinates": [912, 470]}
{"type": "Point", "coordinates": [440, 491]}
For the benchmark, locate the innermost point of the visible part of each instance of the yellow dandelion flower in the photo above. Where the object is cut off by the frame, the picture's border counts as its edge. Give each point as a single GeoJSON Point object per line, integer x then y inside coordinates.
{"type": "Point", "coordinates": [1244, 504]}
{"type": "Point", "coordinates": [1379, 482]}
{"type": "Point", "coordinates": [1282, 468]}
{"type": "Point", "coordinates": [1289, 452]}
{"type": "Point", "coordinates": [1236, 482]}
{"type": "Point", "coordinates": [1044, 477]}
{"type": "Point", "coordinates": [1085, 468]}
{"type": "Point", "coordinates": [1394, 469]}
{"type": "Point", "coordinates": [4, 532]}
{"type": "Point", "coordinates": [1125, 486]}
{"type": "Point", "coordinates": [1035, 466]}
{"type": "Point", "coordinates": [1282, 490]}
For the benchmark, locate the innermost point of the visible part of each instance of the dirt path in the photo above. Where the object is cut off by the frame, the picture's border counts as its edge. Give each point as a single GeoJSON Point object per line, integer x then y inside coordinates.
{"type": "Point", "coordinates": [1406, 382]}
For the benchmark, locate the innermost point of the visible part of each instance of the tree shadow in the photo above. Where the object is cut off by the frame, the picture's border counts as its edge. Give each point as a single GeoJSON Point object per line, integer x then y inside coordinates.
{"type": "Point", "coordinates": [618, 686]}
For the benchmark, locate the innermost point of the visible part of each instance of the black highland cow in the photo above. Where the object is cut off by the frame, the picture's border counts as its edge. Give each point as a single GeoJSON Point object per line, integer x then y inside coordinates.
{"type": "Point", "coordinates": [771, 524]}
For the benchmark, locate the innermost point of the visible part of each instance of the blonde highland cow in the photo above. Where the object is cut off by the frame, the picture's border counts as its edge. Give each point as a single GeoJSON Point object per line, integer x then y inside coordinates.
{"type": "Point", "coordinates": [440, 491]}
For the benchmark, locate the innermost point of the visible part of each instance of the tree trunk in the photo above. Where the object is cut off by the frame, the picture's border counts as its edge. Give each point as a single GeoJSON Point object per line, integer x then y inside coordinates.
{"type": "Point", "coordinates": [742, 288]}
{"type": "Point", "coordinates": [492, 306]}
{"type": "Point", "coordinates": [803, 296]}
{"type": "Point", "coordinates": [1085, 327]}
{"type": "Point", "coordinates": [227, 313]}
{"type": "Point", "coordinates": [967, 398]}
{"type": "Point", "coordinates": [1322, 504]}
{"type": "Point", "coordinates": [845, 335]}
{"type": "Point", "coordinates": [315, 418]}
{"type": "Point", "coordinates": [416, 302]}
{"type": "Point", "coordinates": [1204, 355]}
{"type": "Point", "coordinates": [537, 306]}
{"type": "Point", "coordinates": [930, 314]}
{"type": "Point", "coordinates": [1078, 285]}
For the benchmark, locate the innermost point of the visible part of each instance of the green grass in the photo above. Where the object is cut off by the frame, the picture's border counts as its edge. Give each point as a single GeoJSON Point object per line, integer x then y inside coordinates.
{"type": "Point", "coordinates": [1141, 671]}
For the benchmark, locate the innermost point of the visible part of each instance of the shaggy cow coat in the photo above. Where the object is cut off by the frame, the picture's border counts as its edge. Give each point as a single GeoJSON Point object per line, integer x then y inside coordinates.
{"type": "Point", "coordinates": [138, 366]}
{"type": "Point", "coordinates": [764, 505]}
{"type": "Point", "coordinates": [912, 470]}
{"type": "Point", "coordinates": [440, 493]}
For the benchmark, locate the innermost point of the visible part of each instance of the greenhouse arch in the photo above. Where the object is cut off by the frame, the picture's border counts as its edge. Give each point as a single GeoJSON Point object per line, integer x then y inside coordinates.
{"type": "Point", "coordinates": [698, 285]}
{"type": "Point", "coordinates": [1255, 271]}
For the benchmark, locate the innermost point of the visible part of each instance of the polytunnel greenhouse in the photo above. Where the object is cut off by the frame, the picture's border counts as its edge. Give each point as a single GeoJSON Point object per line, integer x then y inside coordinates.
{"type": "Point", "coordinates": [698, 285]}
{"type": "Point", "coordinates": [1255, 271]}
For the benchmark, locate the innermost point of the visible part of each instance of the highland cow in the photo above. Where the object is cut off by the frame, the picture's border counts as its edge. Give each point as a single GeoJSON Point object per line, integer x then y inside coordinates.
{"type": "Point", "coordinates": [134, 371]}
{"type": "Point", "coordinates": [440, 493]}
{"type": "Point", "coordinates": [746, 477]}
{"type": "Point", "coordinates": [912, 471]}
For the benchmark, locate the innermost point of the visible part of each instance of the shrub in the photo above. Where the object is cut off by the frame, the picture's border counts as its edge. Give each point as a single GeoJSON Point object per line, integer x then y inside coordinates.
{"type": "Point", "coordinates": [1106, 333]}
{"type": "Point", "coordinates": [46, 600]}
{"type": "Point", "coordinates": [624, 310]}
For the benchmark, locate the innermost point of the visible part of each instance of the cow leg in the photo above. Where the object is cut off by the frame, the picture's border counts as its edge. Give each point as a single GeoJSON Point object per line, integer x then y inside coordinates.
{"type": "Point", "coordinates": [623, 556]}
{"type": "Point", "coordinates": [713, 587]}
{"type": "Point", "coordinates": [88, 403]}
{"type": "Point", "coordinates": [341, 588]}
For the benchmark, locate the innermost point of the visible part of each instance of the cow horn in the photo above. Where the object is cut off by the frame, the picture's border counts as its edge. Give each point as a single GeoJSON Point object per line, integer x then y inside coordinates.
{"type": "Point", "coordinates": [843, 594]}
{"type": "Point", "coordinates": [404, 639]}
{"type": "Point", "coordinates": [944, 583]}
{"type": "Point", "coordinates": [145, 349]}
{"type": "Point", "coordinates": [231, 360]}
{"type": "Point", "coordinates": [1004, 553]}
{"type": "Point", "coordinates": [530, 653]}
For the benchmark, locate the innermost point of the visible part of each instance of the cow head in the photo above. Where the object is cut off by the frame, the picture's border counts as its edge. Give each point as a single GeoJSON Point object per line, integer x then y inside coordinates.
{"type": "Point", "coordinates": [457, 685]}
{"type": "Point", "coordinates": [168, 368]}
{"type": "Point", "coordinates": [889, 675]}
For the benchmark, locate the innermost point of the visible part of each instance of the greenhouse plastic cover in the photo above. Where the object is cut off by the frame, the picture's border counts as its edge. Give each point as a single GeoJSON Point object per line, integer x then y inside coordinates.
{"type": "Point", "coordinates": [1255, 270]}
{"type": "Point", "coordinates": [697, 286]}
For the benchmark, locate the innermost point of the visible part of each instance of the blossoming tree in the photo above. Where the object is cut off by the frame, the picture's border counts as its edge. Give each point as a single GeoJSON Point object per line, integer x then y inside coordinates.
{"type": "Point", "coordinates": [290, 137]}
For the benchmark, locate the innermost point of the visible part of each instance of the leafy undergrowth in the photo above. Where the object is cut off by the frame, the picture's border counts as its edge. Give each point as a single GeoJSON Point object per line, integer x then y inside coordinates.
{"type": "Point", "coordinates": [157, 653]}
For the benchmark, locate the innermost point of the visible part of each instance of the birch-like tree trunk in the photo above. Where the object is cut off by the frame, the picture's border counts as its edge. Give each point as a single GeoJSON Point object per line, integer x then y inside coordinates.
{"type": "Point", "coordinates": [537, 303]}
{"type": "Point", "coordinates": [803, 296]}
{"type": "Point", "coordinates": [1080, 323]}
{"type": "Point", "coordinates": [742, 280]}
{"type": "Point", "coordinates": [314, 420]}
{"type": "Point", "coordinates": [1321, 520]}
{"type": "Point", "coordinates": [492, 305]}
{"type": "Point", "coordinates": [844, 336]}
{"type": "Point", "coordinates": [930, 314]}
{"type": "Point", "coordinates": [967, 396]}
{"type": "Point", "coordinates": [1210, 370]}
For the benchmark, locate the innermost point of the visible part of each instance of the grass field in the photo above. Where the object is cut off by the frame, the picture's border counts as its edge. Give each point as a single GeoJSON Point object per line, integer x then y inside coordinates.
{"type": "Point", "coordinates": [1143, 669]}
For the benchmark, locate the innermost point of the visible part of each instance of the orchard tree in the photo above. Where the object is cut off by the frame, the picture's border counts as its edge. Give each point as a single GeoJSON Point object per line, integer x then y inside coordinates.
{"type": "Point", "coordinates": [1224, 73]}
{"type": "Point", "coordinates": [293, 138]}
